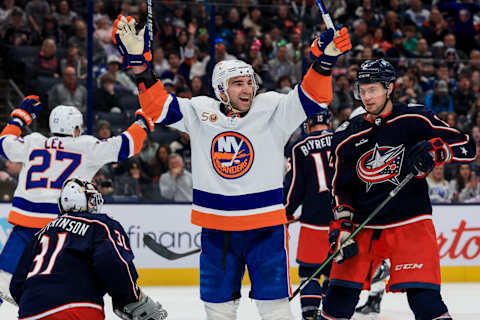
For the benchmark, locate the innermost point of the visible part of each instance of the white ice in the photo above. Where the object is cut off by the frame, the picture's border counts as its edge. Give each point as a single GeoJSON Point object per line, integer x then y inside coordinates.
{"type": "Point", "coordinates": [183, 303]}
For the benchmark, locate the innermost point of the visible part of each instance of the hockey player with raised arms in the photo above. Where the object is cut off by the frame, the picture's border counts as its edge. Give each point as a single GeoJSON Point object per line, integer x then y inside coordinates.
{"type": "Point", "coordinates": [237, 166]}
{"type": "Point", "coordinates": [306, 183]}
{"type": "Point", "coordinates": [47, 163]}
{"type": "Point", "coordinates": [372, 153]}
{"type": "Point", "coordinates": [71, 263]}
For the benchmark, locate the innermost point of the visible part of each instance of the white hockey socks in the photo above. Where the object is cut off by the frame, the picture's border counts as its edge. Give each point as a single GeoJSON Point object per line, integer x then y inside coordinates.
{"type": "Point", "coordinates": [274, 309]}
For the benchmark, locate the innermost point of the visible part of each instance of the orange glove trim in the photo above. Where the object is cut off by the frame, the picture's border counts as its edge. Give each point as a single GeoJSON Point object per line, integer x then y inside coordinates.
{"type": "Point", "coordinates": [153, 100]}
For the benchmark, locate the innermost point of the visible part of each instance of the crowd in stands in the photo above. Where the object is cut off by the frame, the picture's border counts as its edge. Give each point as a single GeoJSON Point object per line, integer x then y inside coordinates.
{"type": "Point", "coordinates": [434, 45]}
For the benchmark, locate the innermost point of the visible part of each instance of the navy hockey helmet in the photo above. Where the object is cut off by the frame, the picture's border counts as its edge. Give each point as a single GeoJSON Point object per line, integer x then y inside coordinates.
{"type": "Point", "coordinates": [321, 117]}
{"type": "Point", "coordinates": [372, 71]}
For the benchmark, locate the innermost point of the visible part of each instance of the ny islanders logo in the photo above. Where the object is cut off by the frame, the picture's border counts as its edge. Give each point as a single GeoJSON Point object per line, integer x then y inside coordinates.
{"type": "Point", "coordinates": [232, 154]}
{"type": "Point", "coordinates": [380, 164]}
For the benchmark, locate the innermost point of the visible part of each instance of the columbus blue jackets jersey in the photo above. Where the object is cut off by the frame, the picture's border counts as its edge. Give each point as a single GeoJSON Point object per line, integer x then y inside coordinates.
{"type": "Point", "coordinates": [308, 177]}
{"type": "Point", "coordinates": [72, 262]}
{"type": "Point", "coordinates": [369, 160]}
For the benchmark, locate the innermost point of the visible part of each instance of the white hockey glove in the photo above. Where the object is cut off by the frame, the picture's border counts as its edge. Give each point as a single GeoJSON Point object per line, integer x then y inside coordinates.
{"type": "Point", "coordinates": [339, 231]}
{"type": "Point", "coordinates": [133, 46]}
{"type": "Point", "coordinates": [143, 309]}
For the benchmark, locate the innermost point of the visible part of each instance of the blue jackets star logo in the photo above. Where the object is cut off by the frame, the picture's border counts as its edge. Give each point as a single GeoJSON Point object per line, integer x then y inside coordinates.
{"type": "Point", "coordinates": [380, 164]}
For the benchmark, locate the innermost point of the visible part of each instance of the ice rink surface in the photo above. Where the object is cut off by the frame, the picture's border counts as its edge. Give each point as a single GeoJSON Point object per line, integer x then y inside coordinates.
{"type": "Point", "coordinates": [183, 303]}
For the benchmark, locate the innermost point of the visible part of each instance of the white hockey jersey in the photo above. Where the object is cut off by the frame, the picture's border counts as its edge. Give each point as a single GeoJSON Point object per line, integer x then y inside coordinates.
{"type": "Point", "coordinates": [238, 162]}
{"type": "Point", "coordinates": [48, 162]}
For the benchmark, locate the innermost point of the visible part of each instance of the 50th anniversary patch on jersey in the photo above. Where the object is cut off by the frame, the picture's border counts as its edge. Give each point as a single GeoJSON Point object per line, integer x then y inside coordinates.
{"type": "Point", "coordinates": [231, 154]}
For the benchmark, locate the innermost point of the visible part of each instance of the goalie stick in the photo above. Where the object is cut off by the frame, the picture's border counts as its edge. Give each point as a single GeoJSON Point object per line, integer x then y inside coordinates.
{"type": "Point", "coordinates": [392, 194]}
{"type": "Point", "coordinates": [164, 251]}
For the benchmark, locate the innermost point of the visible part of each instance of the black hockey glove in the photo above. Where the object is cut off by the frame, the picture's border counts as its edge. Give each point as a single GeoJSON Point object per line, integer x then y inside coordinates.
{"type": "Point", "coordinates": [426, 155]}
{"type": "Point", "coordinates": [338, 233]}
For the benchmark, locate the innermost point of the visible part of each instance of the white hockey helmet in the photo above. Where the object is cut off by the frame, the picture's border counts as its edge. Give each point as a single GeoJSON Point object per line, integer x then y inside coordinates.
{"type": "Point", "coordinates": [79, 196]}
{"type": "Point", "coordinates": [64, 120]}
{"type": "Point", "coordinates": [227, 69]}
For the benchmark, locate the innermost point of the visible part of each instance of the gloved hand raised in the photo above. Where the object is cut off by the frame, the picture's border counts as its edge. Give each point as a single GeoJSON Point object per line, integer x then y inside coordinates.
{"type": "Point", "coordinates": [329, 46]}
{"type": "Point", "coordinates": [133, 46]}
{"type": "Point", "coordinates": [28, 110]}
{"type": "Point", "coordinates": [425, 155]}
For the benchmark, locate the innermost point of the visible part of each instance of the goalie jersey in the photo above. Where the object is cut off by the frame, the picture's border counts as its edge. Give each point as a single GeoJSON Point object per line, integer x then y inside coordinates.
{"type": "Point", "coordinates": [238, 162]}
{"type": "Point", "coordinates": [48, 162]}
{"type": "Point", "coordinates": [369, 162]}
{"type": "Point", "coordinates": [72, 262]}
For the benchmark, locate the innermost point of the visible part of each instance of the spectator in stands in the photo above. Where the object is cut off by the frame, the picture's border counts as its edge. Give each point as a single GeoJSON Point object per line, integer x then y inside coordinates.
{"type": "Point", "coordinates": [281, 65]}
{"type": "Point", "coordinates": [463, 97]}
{"type": "Point", "coordinates": [168, 85]}
{"type": "Point", "coordinates": [198, 88]}
{"type": "Point", "coordinates": [183, 92]}
{"type": "Point", "coordinates": [464, 186]}
{"type": "Point", "coordinates": [160, 63]}
{"type": "Point", "coordinates": [80, 38]}
{"type": "Point", "coordinates": [69, 92]}
{"type": "Point", "coordinates": [122, 81]}
{"type": "Point", "coordinates": [442, 73]}
{"type": "Point", "coordinates": [360, 29]}
{"type": "Point", "coordinates": [452, 120]}
{"type": "Point", "coordinates": [50, 30]}
{"type": "Point", "coordinates": [74, 60]}
{"type": "Point", "coordinates": [410, 91]}
{"type": "Point", "coordinates": [463, 24]}
{"type": "Point", "coordinates": [422, 49]}
{"type": "Point", "coordinates": [16, 32]}
{"type": "Point", "coordinates": [176, 184]}
{"type": "Point", "coordinates": [104, 130]}
{"type": "Point", "coordinates": [341, 93]}
{"type": "Point", "coordinates": [410, 41]}
{"type": "Point", "coordinates": [417, 14]}
{"type": "Point", "coordinates": [294, 47]}
{"type": "Point", "coordinates": [35, 10]}
{"type": "Point", "coordinates": [179, 71]}
{"type": "Point", "coordinates": [147, 154]}
{"type": "Point", "coordinates": [476, 163]}
{"type": "Point", "coordinates": [47, 64]}
{"type": "Point", "coordinates": [438, 187]}
{"type": "Point", "coordinates": [103, 183]}
{"type": "Point", "coordinates": [106, 97]}
{"type": "Point", "coordinates": [5, 9]}
{"type": "Point", "coordinates": [284, 84]}
{"type": "Point", "coordinates": [390, 25]}
{"type": "Point", "coordinates": [435, 29]}
{"type": "Point", "coordinates": [159, 164]}
{"type": "Point", "coordinates": [397, 53]}
{"type": "Point", "coordinates": [439, 100]}
{"type": "Point", "coordinates": [103, 32]}
{"type": "Point", "coordinates": [379, 41]}
{"type": "Point", "coordinates": [65, 16]}
{"type": "Point", "coordinates": [129, 184]}
{"type": "Point", "coordinates": [182, 147]}
{"type": "Point", "coordinates": [253, 20]}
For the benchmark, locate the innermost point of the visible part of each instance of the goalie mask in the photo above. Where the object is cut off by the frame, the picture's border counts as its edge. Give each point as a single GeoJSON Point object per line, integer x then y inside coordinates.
{"type": "Point", "coordinates": [64, 119]}
{"type": "Point", "coordinates": [224, 71]}
{"type": "Point", "coordinates": [79, 196]}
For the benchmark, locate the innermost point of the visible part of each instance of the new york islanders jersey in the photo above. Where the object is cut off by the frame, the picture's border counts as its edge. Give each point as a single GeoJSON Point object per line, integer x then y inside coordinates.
{"type": "Point", "coordinates": [369, 159]}
{"type": "Point", "coordinates": [238, 162]}
{"type": "Point", "coordinates": [307, 180]}
{"type": "Point", "coordinates": [72, 262]}
{"type": "Point", "coordinates": [48, 162]}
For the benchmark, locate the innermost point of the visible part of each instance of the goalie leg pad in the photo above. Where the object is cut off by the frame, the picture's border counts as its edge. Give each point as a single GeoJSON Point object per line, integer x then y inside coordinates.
{"type": "Point", "coordinates": [427, 304]}
{"type": "Point", "coordinates": [278, 309]}
{"type": "Point", "coordinates": [222, 311]}
{"type": "Point", "coordinates": [340, 302]}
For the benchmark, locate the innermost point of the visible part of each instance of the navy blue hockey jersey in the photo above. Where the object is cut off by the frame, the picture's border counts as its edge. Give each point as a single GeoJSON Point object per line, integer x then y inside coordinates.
{"type": "Point", "coordinates": [308, 178]}
{"type": "Point", "coordinates": [369, 160]}
{"type": "Point", "coordinates": [73, 262]}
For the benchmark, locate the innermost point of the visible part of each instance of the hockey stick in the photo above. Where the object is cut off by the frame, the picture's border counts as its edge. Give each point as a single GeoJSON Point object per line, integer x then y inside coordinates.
{"type": "Point", "coordinates": [163, 251]}
{"type": "Point", "coordinates": [392, 194]}
{"type": "Point", "coordinates": [325, 15]}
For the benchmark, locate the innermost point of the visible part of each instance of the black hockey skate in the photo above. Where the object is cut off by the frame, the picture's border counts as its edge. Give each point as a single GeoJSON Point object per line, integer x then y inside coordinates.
{"type": "Point", "coordinates": [372, 306]}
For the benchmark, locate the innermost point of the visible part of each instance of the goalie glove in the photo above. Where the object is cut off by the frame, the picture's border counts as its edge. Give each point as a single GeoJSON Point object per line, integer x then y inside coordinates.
{"type": "Point", "coordinates": [143, 309]}
{"type": "Point", "coordinates": [28, 110]}
{"type": "Point", "coordinates": [133, 46]}
{"type": "Point", "coordinates": [425, 155]}
{"type": "Point", "coordinates": [144, 121]}
{"type": "Point", "coordinates": [326, 49]}
{"type": "Point", "coordinates": [339, 231]}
